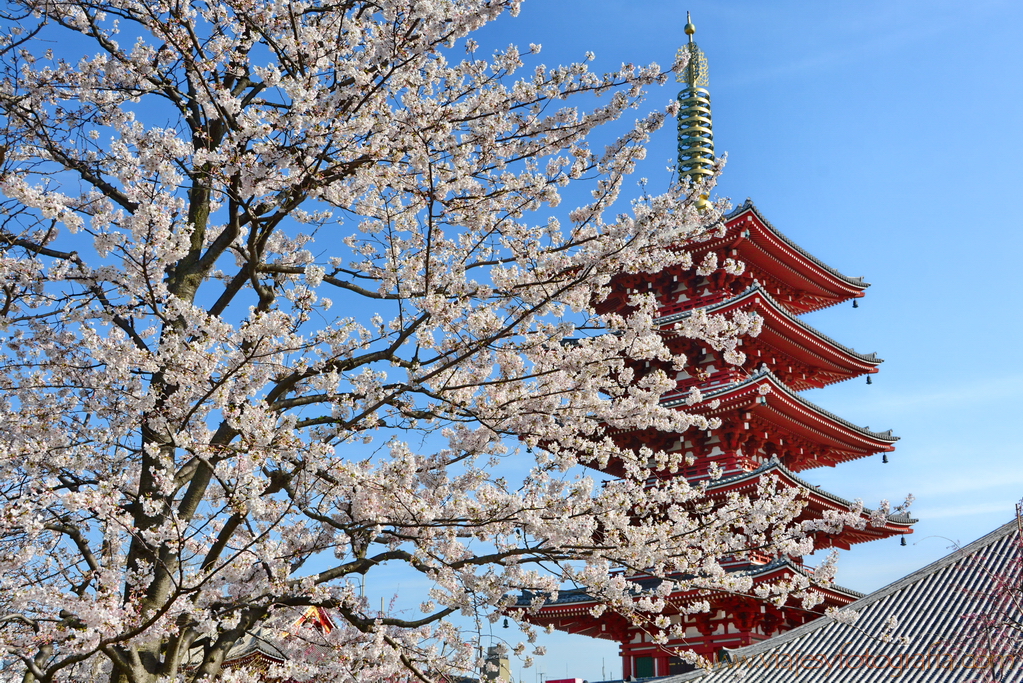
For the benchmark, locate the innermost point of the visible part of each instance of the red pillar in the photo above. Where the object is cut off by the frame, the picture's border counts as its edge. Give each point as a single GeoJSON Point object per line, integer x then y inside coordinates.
{"type": "Point", "coordinates": [662, 666]}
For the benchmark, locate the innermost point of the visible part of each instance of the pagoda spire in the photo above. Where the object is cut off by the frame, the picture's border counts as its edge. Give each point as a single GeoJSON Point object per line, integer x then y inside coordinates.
{"type": "Point", "coordinates": [695, 137]}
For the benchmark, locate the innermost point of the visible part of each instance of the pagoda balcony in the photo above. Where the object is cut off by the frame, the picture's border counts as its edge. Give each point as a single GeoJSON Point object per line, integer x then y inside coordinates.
{"type": "Point", "coordinates": [689, 305]}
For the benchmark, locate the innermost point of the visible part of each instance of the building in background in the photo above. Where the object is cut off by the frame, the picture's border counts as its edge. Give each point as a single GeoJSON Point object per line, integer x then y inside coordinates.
{"type": "Point", "coordinates": [498, 668]}
{"type": "Point", "coordinates": [953, 621]}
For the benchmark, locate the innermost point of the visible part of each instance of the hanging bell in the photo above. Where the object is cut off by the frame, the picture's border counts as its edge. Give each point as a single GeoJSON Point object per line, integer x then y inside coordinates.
{"type": "Point", "coordinates": [903, 541]}
{"type": "Point", "coordinates": [506, 623]}
{"type": "Point", "coordinates": [884, 459]}
{"type": "Point", "coordinates": [869, 381]}
{"type": "Point", "coordinates": [856, 304]}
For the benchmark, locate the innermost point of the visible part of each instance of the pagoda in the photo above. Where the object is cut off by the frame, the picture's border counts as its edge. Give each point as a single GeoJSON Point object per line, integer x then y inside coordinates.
{"type": "Point", "coordinates": [767, 429]}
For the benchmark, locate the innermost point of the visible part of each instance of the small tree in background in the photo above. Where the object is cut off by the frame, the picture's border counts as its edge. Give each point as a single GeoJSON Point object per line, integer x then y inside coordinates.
{"type": "Point", "coordinates": [282, 296]}
{"type": "Point", "coordinates": [992, 637]}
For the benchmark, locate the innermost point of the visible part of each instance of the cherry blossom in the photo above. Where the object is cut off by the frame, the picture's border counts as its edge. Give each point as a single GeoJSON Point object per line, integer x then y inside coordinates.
{"type": "Point", "coordinates": [287, 298]}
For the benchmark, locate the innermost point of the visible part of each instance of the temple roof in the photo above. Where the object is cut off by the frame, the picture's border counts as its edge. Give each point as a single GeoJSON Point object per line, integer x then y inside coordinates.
{"type": "Point", "coordinates": [807, 283]}
{"type": "Point", "coordinates": [938, 608]}
{"type": "Point", "coordinates": [750, 388]}
{"type": "Point", "coordinates": [261, 647]}
{"type": "Point", "coordinates": [826, 360]}
{"type": "Point", "coordinates": [897, 524]}
{"type": "Point", "coordinates": [785, 424]}
{"type": "Point", "coordinates": [757, 290]}
{"type": "Point", "coordinates": [775, 466]}
{"type": "Point", "coordinates": [749, 206]}
{"type": "Point", "coordinates": [764, 572]}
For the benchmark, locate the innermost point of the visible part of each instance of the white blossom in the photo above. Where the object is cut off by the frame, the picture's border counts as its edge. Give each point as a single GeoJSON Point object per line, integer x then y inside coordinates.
{"type": "Point", "coordinates": [181, 421]}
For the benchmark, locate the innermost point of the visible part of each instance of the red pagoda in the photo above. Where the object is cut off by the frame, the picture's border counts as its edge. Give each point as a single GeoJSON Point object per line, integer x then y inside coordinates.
{"type": "Point", "coordinates": [766, 427]}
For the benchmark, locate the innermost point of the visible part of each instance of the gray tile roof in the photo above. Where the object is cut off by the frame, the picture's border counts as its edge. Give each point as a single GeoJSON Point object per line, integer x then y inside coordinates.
{"type": "Point", "coordinates": [933, 606]}
{"type": "Point", "coordinates": [271, 643]}
{"type": "Point", "coordinates": [261, 641]}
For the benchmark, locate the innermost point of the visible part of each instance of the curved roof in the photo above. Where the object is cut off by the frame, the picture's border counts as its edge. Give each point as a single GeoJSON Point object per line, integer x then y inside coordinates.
{"type": "Point", "coordinates": [808, 283]}
{"type": "Point", "coordinates": [758, 290]}
{"type": "Point", "coordinates": [748, 206]}
{"type": "Point", "coordinates": [579, 595]}
{"type": "Point", "coordinates": [774, 465]}
{"type": "Point", "coordinates": [776, 384]}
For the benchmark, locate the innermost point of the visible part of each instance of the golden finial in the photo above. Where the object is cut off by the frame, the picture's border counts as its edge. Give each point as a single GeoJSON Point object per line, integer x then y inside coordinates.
{"type": "Point", "coordinates": [695, 137]}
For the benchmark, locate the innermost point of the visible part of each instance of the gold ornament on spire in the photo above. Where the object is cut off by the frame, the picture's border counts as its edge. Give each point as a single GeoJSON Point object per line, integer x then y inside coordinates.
{"type": "Point", "coordinates": [695, 137]}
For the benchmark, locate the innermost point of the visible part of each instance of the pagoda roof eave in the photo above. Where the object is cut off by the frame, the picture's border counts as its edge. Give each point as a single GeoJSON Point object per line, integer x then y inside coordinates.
{"type": "Point", "coordinates": [749, 207]}
{"type": "Point", "coordinates": [253, 645]}
{"type": "Point", "coordinates": [780, 313]}
{"type": "Point", "coordinates": [770, 571]}
{"type": "Point", "coordinates": [775, 466]}
{"type": "Point", "coordinates": [884, 440]}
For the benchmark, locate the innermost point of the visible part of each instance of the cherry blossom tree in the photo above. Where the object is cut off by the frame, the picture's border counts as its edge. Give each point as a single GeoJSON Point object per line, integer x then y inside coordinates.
{"type": "Point", "coordinates": [286, 300]}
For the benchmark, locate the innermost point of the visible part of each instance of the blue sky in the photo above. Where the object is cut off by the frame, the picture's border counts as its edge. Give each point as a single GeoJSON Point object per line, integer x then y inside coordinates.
{"type": "Point", "coordinates": [885, 138]}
